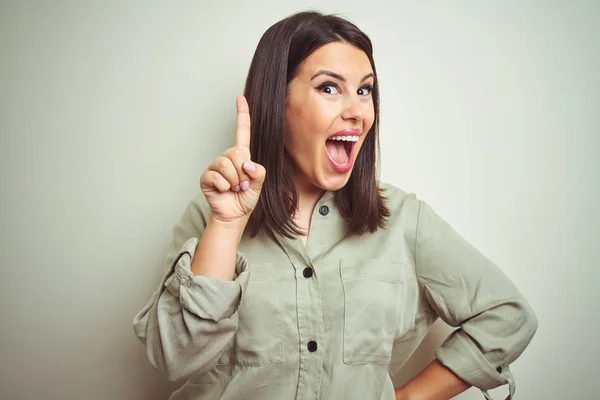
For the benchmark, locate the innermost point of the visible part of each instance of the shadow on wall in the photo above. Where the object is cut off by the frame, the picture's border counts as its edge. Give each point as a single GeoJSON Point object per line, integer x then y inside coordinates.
{"type": "Point", "coordinates": [144, 380]}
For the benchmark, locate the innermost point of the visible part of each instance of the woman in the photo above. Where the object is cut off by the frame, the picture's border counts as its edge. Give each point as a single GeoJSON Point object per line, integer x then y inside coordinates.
{"type": "Point", "coordinates": [296, 275]}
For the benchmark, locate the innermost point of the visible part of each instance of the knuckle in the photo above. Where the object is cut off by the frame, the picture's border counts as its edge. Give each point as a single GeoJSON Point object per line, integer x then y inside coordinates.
{"type": "Point", "coordinates": [222, 162]}
{"type": "Point", "coordinates": [238, 153]}
{"type": "Point", "coordinates": [205, 176]}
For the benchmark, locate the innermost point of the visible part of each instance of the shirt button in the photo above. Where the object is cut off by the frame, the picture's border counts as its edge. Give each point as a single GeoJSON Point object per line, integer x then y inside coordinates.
{"type": "Point", "coordinates": [312, 346]}
{"type": "Point", "coordinates": [308, 272]}
{"type": "Point", "coordinates": [323, 210]}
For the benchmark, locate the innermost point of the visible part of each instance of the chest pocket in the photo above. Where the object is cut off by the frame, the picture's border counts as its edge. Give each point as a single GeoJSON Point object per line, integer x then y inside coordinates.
{"type": "Point", "coordinates": [372, 297]}
{"type": "Point", "coordinates": [259, 338]}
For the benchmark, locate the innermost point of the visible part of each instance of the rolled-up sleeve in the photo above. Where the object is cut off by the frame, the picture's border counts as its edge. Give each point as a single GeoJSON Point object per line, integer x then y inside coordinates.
{"type": "Point", "coordinates": [206, 297]}
{"type": "Point", "coordinates": [495, 323]}
{"type": "Point", "coordinates": [190, 319]}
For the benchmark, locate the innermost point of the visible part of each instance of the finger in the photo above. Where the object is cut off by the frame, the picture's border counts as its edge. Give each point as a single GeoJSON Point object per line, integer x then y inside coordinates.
{"type": "Point", "coordinates": [238, 156]}
{"type": "Point", "coordinates": [257, 175]}
{"type": "Point", "coordinates": [224, 166]}
{"type": "Point", "coordinates": [213, 179]}
{"type": "Point", "coordinates": [242, 126]}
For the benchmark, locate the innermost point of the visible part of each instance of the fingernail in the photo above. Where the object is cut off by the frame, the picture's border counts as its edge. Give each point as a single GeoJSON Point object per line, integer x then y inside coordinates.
{"type": "Point", "coordinates": [237, 188]}
{"type": "Point", "coordinates": [245, 185]}
{"type": "Point", "coordinates": [249, 166]}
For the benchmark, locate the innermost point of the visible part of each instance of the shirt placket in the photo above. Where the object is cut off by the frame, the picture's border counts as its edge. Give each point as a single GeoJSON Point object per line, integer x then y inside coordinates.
{"type": "Point", "coordinates": [309, 308]}
{"type": "Point", "coordinates": [326, 227]}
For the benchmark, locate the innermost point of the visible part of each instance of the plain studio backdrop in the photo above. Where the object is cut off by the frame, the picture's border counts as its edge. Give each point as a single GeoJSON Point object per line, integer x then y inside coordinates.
{"type": "Point", "coordinates": [110, 111]}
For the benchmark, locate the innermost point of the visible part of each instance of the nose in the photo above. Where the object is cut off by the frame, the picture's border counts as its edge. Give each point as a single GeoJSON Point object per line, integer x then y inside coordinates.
{"type": "Point", "coordinates": [353, 109]}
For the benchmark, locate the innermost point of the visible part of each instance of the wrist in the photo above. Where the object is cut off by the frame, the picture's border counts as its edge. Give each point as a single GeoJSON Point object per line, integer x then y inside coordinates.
{"type": "Point", "coordinates": [235, 227]}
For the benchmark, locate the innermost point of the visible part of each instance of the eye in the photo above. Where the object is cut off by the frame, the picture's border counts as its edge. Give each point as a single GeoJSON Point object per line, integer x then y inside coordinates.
{"type": "Point", "coordinates": [365, 90]}
{"type": "Point", "coordinates": [329, 88]}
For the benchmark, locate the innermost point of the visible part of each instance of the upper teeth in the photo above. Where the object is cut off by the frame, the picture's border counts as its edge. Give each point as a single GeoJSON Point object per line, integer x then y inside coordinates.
{"type": "Point", "coordinates": [345, 138]}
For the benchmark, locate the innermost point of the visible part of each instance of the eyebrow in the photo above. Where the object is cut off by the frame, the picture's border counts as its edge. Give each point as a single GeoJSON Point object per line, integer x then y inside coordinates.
{"type": "Point", "coordinates": [338, 76]}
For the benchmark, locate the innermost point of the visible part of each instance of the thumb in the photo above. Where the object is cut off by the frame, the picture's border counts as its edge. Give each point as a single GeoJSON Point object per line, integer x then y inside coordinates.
{"type": "Point", "coordinates": [257, 174]}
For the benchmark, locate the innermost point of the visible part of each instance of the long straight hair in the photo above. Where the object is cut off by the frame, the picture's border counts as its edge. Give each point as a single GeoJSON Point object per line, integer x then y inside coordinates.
{"type": "Point", "coordinates": [280, 51]}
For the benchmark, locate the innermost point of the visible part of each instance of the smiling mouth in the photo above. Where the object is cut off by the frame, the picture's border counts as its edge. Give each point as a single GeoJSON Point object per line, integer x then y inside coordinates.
{"type": "Point", "coordinates": [340, 151]}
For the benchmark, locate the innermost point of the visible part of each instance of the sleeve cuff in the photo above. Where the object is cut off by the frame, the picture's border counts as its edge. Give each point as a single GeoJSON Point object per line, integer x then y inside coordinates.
{"type": "Point", "coordinates": [207, 297]}
{"type": "Point", "coordinates": [461, 356]}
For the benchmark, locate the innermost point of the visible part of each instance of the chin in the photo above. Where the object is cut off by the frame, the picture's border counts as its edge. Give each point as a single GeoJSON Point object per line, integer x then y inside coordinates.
{"type": "Point", "coordinates": [334, 183]}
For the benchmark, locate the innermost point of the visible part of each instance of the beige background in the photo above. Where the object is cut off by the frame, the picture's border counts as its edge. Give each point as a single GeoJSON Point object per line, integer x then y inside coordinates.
{"type": "Point", "coordinates": [110, 111]}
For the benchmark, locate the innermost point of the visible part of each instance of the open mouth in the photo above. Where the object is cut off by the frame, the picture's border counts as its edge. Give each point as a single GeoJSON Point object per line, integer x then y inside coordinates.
{"type": "Point", "coordinates": [340, 150]}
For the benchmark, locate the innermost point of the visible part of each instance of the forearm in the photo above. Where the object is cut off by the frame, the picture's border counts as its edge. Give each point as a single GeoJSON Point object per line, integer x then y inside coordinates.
{"type": "Point", "coordinates": [217, 249]}
{"type": "Point", "coordinates": [434, 382]}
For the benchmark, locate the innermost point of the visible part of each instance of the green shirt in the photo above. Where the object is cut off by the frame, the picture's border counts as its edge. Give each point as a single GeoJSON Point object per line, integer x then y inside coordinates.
{"type": "Point", "coordinates": [335, 319]}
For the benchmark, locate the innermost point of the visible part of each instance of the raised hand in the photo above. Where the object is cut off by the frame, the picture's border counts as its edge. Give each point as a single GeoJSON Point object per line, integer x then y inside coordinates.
{"type": "Point", "coordinates": [232, 183]}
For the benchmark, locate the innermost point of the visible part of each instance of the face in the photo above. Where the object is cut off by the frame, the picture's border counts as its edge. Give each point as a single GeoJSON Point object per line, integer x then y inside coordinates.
{"type": "Point", "coordinates": [329, 111]}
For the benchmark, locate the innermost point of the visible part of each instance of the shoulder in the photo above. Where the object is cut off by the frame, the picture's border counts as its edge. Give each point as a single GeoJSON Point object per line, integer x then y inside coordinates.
{"type": "Point", "coordinates": [414, 216]}
{"type": "Point", "coordinates": [404, 210]}
{"type": "Point", "coordinates": [399, 201]}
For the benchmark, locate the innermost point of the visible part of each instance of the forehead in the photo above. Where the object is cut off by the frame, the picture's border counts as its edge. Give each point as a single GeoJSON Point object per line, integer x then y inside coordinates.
{"type": "Point", "coordinates": [341, 58]}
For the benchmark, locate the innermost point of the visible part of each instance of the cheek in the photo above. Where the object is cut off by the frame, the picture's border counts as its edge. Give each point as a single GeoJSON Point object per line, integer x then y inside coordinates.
{"type": "Point", "coordinates": [323, 114]}
{"type": "Point", "coordinates": [310, 127]}
{"type": "Point", "coordinates": [293, 127]}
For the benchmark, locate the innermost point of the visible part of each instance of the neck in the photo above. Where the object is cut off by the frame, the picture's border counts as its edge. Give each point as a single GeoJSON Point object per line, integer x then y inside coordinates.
{"type": "Point", "coordinates": [308, 197]}
{"type": "Point", "coordinates": [308, 194]}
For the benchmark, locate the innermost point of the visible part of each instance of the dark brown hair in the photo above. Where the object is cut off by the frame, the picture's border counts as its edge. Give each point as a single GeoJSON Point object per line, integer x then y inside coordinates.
{"type": "Point", "coordinates": [282, 48]}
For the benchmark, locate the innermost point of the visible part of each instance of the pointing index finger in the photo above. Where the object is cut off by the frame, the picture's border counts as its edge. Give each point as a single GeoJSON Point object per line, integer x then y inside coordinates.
{"type": "Point", "coordinates": [242, 127]}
